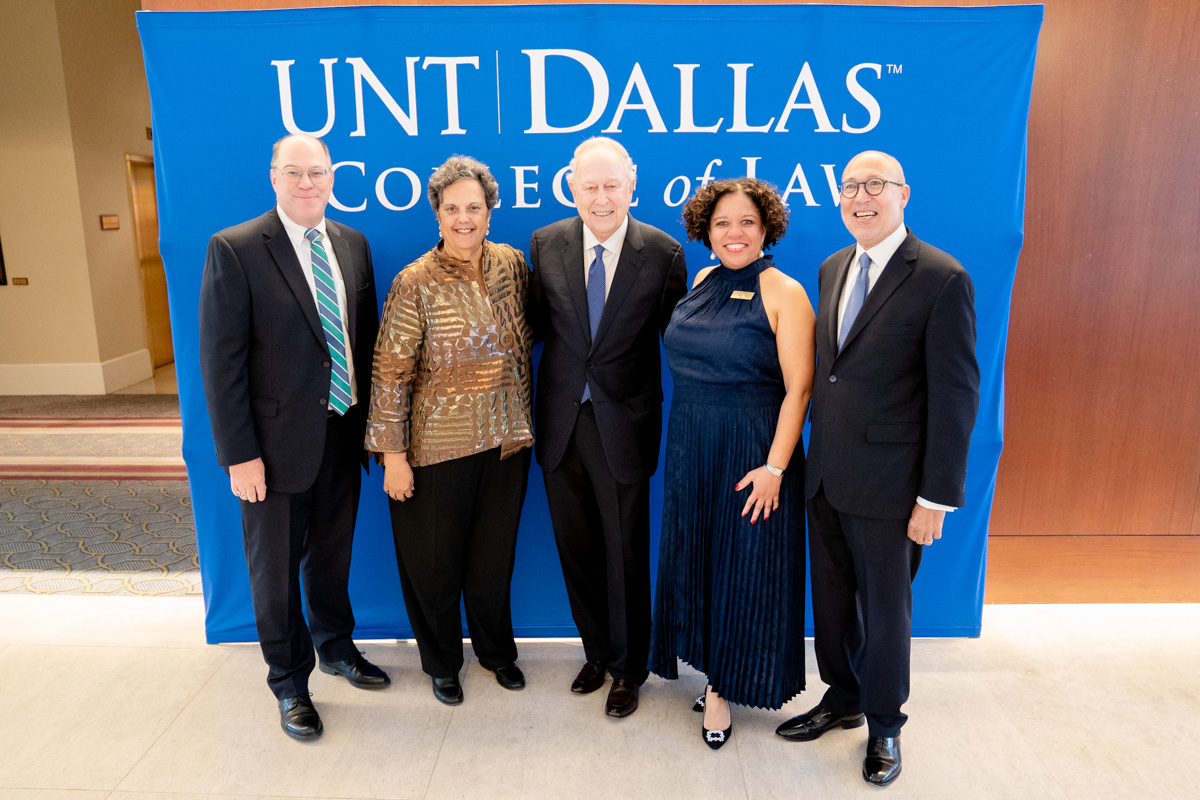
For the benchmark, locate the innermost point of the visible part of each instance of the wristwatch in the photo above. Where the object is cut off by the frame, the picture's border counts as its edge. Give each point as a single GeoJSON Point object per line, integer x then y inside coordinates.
{"type": "Point", "coordinates": [776, 471]}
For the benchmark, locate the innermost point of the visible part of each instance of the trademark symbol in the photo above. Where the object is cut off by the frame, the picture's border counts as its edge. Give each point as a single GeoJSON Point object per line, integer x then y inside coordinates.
{"type": "Point", "coordinates": [895, 69]}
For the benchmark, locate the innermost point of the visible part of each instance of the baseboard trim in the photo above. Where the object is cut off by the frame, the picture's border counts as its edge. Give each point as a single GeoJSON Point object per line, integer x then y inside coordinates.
{"type": "Point", "coordinates": [86, 378]}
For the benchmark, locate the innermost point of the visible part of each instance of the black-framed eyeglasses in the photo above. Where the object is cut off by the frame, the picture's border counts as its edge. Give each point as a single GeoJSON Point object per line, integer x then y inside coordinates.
{"type": "Point", "coordinates": [317, 175]}
{"type": "Point", "coordinates": [874, 187]}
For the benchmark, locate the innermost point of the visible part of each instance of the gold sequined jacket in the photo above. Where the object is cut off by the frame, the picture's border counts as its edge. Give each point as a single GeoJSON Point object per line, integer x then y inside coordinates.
{"type": "Point", "coordinates": [451, 375]}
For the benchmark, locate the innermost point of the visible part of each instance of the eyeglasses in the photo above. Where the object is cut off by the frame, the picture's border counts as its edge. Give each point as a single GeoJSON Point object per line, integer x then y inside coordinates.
{"type": "Point", "coordinates": [317, 175]}
{"type": "Point", "coordinates": [874, 187]}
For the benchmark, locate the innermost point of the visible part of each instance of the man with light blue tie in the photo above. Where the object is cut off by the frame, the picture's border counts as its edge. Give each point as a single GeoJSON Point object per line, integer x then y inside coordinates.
{"type": "Point", "coordinates": [894, 399]}
{"type": "Point", "coordinates": [288, 318]}
{"type": "Point", "coordinates": [602, 292]}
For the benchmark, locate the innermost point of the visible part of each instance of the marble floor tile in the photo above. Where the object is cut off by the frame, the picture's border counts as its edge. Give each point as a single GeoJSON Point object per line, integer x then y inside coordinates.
{"type": "Point", "coordinates": [54, 794]}
{"type": "Point", "coordinates": [124, 621]}
{"type": "Point", "coordinates": [81, 717]}
{"type": "Point", "coordinates": [378, 744]}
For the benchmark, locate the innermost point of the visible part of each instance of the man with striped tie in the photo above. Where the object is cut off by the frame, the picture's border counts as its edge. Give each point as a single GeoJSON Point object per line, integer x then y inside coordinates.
{"type": "Point", "coordinates": [288, 318]}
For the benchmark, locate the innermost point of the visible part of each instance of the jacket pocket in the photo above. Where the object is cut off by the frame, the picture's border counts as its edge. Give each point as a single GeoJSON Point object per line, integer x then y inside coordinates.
{"type": "Point", "coordinates": [904, 432]}
{"type": "Point", "coordinates": [264, 406]}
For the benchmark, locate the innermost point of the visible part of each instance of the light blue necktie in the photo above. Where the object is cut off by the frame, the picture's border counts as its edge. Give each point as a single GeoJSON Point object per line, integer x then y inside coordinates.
{"type": "Point", "coordinates": [858, 296]}
{"type": "Point", "coordinates": [331, 323]}
{"type": "Point", "coordinates": [595, 298]}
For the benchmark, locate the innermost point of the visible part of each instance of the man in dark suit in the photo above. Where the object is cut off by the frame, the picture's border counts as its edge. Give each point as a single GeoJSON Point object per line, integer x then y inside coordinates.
{"type": "Point", "coordinates": [894, 400]}
{"type": "Point", "coordinates": [288, 318]}
{"type": "Point", "coordinates": [603, 289]}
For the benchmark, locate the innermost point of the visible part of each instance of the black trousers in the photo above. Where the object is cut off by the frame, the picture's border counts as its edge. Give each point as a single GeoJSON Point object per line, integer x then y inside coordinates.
{"type": "Point", "coordinates": [862, 574]}
{"type": "Point", "coordinates": [306, 535]}
{"type": "Point", "coordinates": [456, 537]}
{"type": "Point", "coordinates": [602, 529]}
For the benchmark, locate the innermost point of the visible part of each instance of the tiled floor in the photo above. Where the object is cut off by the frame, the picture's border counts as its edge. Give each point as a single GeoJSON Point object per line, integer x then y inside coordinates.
{"type": "Point", "coordinates": [163, 382]}
{"type": "Point", "coordinates": [120, 698]}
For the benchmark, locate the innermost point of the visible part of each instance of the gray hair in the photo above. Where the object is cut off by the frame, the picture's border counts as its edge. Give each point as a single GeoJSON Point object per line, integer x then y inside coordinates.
{"type": "Point", "coordinates": [279, 143]}
{"type": "Point", "coordinates": [605, 143]}
{"type": "Point", "coordinates": [460, 168]}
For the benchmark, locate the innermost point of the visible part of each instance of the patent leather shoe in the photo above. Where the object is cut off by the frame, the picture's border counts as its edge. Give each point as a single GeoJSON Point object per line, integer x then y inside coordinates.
{"type": "Point", "coordinates": [448, 690]}
{"type": "Point", "coordinates": [358, 671]}
{"type": "Point", "coordinates": [299, 719]}
{"type": "Point", "coordinates": [589, 679]}
{"type": "Point", "coordinates": [882, 764]}
{"type": "Point", "coordinates": [510, 677]}
{"type": "Point", "coordinates": [815, 722]}
{"type": "Point", "coordinates": [622, 698]}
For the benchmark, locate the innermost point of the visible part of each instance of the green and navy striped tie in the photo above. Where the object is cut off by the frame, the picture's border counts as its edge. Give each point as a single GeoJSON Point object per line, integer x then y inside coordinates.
{"type": "Point", "coordinates": [331, 322]}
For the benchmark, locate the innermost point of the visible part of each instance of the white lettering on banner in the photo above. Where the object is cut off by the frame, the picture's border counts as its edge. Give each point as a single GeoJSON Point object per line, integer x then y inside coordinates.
{"type": "Point", "coordinates": [537, 89]}
{"type": "Point", "coordinates": [333, 201]}
{"type": "Point", "coordinates": [687, 121]}
{"type": "Point", "coordinates": [805, 81]}
{"type": "Point", "coordinates": [451, 65]}
{"type": "Point", "coordinates": [521, 186]}
{"type": "Point", "coordinates": [524, 190]}
{"type": "Point", "coordinates": [283, 69]}
{"type": "Point", "coordinates": [739, 103]}
{"type": "Point", "coordinates": [413, 180]}
{"type": "Point", "coordinates": [864, 97]}
{"type": "Point", "coordinates": [636, 78]}
{"type": "Point", "coordinates": [362, 72]}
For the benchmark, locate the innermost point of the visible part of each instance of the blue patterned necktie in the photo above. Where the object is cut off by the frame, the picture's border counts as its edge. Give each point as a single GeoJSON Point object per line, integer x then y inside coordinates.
{"type": "Point", "coordinates": [331, 323]}
{"type": "Point", "coordinates": [595, 298]}
{"type": "Point", "coordinates": [858, 296]}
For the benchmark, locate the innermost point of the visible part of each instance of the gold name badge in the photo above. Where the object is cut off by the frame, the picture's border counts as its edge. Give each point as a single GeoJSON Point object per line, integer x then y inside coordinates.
{"type": "Point", "coordinates": [742, 295]}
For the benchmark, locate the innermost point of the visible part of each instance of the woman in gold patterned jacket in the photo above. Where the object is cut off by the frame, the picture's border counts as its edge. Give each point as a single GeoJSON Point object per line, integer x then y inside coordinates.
{"type": "Point", "coordinates": [451, 416]}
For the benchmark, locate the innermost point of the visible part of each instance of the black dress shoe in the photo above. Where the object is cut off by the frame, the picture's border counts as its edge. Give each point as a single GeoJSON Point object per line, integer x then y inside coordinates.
{"type": "Point", "coordinates": [589, 679]}
{"type": "Point", "coordinates": [811, 725]}
{"type": "Point", "coordinates": [715, 739]}
{"type": "Point", "coordinates": [448, 690]}
{"type": "Point", "coordinates": [699, 704]}
{"type": "Point", "coordinates": [622, 698]}
{"type": "Point", "coordinates": [510, 677]}
{"type": "Point", "coordinates": [299, 719]}
{"type": "Point", "coordinates": [358, 671]}
{"type": "Point", "coordinates": [882, 764]}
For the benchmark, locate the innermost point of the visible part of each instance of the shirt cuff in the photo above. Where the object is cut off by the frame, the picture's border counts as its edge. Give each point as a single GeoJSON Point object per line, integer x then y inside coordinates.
{"type": "Point", "coordinates": [935, 506]}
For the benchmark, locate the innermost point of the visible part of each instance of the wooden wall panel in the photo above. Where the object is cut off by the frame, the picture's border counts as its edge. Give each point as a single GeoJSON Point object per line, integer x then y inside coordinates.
{"type": "Point", "coordinates": [1098, 495]}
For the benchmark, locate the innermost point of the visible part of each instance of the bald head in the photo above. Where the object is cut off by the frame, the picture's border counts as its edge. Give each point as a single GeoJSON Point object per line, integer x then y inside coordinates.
{"type": "Point", "coordinates": [872, 218]}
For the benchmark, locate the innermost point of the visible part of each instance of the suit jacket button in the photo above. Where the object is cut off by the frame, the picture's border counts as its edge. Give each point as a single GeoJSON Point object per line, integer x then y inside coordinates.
{"type": "Point", "coordinates": [322, 401]}
{"type": "Point", "coordinates": [833, 378]}
{"type": "Point", "coordinates": [325, 364]}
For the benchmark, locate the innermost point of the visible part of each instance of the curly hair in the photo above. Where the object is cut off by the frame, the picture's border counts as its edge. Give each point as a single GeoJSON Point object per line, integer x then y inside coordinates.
{"type": "Point", "coordinates": [697, 214]}
{"type": "Point", "coordinates": [458, 168]}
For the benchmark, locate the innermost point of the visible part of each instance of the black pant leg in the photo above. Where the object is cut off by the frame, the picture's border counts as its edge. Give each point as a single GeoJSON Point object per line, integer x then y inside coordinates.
{"type": "Point", "coordinates": [837, 626]}
{"type": "Point", "coordinates": [579, 537]}
{"type": "Point", "coordinates": [490, 554]}
{"type": "Point", "coordinates": [273, 532]}
{"type": "Point", "coordinates": [430, 531]}
{"type": "Point", "coordinates": [330, 540]}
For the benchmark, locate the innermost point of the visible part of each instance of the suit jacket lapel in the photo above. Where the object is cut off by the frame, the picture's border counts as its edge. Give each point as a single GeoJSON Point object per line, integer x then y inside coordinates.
{"type": "Point", "coordinates": [280, 248]}
{"type": "Point", "coordinates": [624, 277]}
{"type": "Point", "coordinates": [571, 256]}
{"type": "Point", "coordinates": [894, 274]}
{"type": "Point", "coordinates": [341, 250]}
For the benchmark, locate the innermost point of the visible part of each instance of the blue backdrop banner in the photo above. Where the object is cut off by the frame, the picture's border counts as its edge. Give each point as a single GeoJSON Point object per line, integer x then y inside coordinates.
{"type": "Point", "coordinates": [785, 93]}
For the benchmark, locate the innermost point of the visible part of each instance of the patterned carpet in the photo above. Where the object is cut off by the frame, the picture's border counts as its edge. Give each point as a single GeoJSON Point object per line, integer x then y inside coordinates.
{"type": "Point", "coordinates": [65, 531]}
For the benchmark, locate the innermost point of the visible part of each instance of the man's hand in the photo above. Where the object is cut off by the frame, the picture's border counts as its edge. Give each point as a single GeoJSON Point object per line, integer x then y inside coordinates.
{"type": "Point", "coordinates": [925, 524]}
{"type": "Point", "coordinates": [248, 480]}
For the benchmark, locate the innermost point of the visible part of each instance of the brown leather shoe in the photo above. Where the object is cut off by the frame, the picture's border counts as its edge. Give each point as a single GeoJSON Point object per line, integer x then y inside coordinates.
{"type": "Point", "coordinates": [589, 679]}
{"type": "Point", "coordinates": [622, 698]}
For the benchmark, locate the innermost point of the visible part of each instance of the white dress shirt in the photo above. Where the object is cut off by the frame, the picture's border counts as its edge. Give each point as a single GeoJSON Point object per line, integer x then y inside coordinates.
{"type": "Point", "coordinates": [612, 252]}
{"type": "Point", "coordinates": [880, 255]}
{"type": "Point", "coordinates": [295, 233]}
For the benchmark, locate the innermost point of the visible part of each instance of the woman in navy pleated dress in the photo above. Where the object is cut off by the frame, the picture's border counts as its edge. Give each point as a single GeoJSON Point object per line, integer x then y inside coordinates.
{"type": "Point", "coordinates": [730, 595]}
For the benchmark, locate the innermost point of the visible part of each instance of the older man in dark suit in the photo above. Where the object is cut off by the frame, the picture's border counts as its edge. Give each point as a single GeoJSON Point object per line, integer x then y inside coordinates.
{"type": "Point", "coordinates": [894, 401]}
{"type": "Point", "coordinates": [288, 318]}
{"type": "Point", "coordinates": [604, 286]}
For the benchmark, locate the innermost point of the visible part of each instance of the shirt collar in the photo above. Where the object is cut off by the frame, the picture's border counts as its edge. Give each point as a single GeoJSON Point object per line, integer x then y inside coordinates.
{"type": "Point", "coordinates": [590, 241]}
{"type": "Point", "coordinates": [295, 230]}
{"type": "Point", "coordinates": [882, 253]}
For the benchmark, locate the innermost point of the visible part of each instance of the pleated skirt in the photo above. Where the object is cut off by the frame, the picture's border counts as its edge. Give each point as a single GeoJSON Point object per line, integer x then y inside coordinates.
{"type": "Point", "coordinates": [730, 595]}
